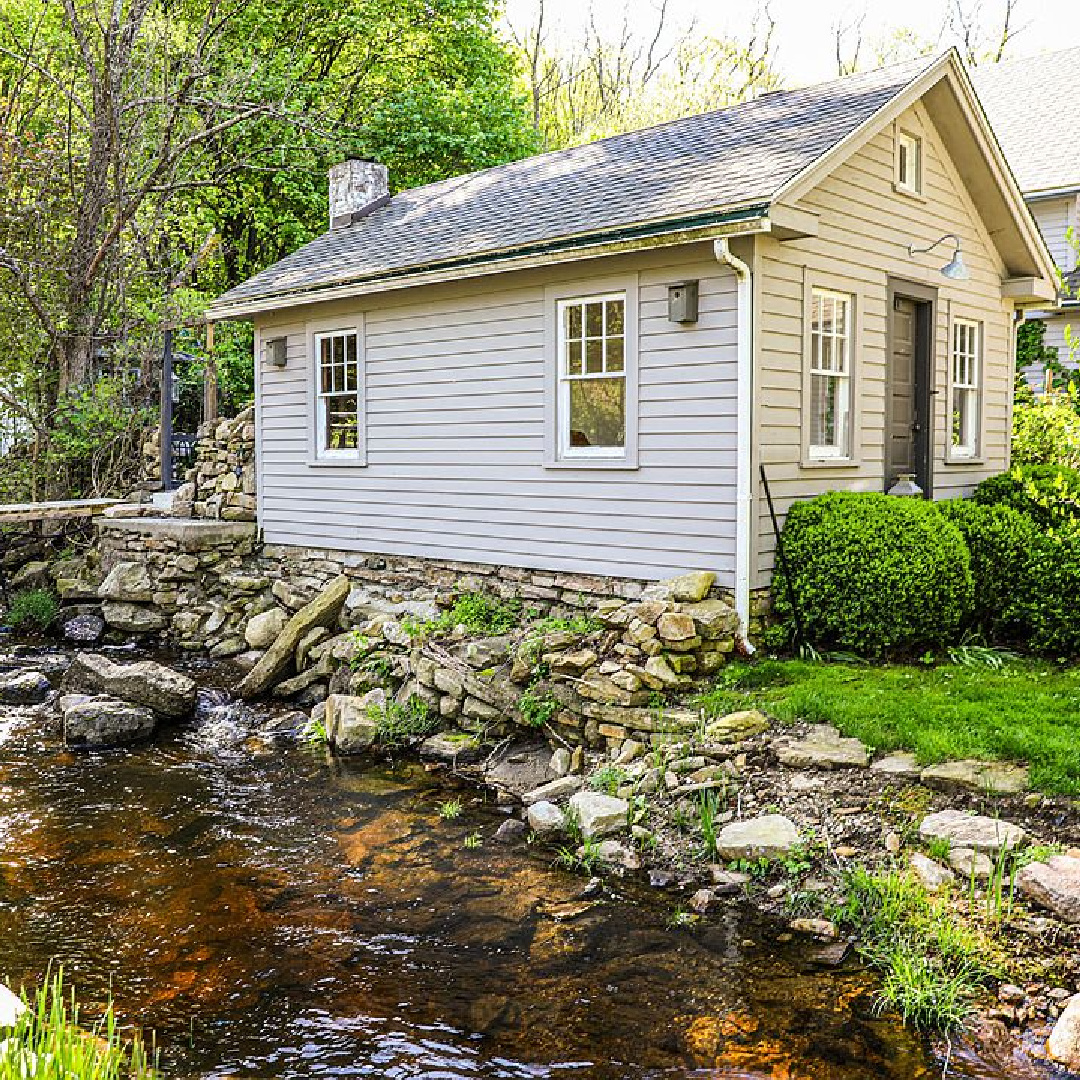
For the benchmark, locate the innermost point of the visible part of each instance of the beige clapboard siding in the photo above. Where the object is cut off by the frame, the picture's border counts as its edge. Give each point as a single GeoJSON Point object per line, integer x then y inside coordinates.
{"type": "Point", "coordinates": [865, 228]}
{"type": "Point", "coordinates": [1055, 217]}
{"type": "Point", "coordinates": [455, 432]}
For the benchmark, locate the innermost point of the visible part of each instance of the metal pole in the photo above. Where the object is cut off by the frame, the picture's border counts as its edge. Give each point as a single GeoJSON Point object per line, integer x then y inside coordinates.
{"type": "Point", "coordinates": [781, 559]}
{"type": "Point", "coordinates": [166, 415]}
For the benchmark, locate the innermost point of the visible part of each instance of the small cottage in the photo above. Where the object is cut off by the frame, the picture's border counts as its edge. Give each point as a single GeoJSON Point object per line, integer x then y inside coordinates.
{"type": "Point", "coordinates": [587, 362]}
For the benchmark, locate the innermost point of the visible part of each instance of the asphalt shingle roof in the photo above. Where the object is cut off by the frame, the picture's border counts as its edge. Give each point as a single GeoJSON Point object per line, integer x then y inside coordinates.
{"type": "Point", "coordinates": [1034, 108]}
{"type": "Point", "coordinates": [721, 160]}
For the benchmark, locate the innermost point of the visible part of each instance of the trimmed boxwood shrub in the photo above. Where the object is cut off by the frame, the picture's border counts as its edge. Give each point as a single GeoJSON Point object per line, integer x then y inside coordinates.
{"type": "Point", "coordinates": [1048, 494]}
{"type": "Point", "coordinates": [1001, 542]}
{"type": "Point", "coordinates": [1052, 604]}
{"type": "Point", "coordinates": [874, 574]}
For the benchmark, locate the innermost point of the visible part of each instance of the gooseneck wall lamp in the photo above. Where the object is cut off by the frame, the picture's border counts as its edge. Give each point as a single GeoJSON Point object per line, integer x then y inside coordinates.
{"type": "Point", "coordinates": [954, 269]}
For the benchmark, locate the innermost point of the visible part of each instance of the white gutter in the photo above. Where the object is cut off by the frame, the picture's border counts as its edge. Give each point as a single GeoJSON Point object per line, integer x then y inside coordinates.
{"type": "Point", "coordinates": [744, 415]}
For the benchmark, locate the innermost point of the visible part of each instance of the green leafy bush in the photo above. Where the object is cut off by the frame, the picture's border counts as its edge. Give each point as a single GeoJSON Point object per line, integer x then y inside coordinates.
{"type": "Point", "coordinates": [536, 709]}
{"type": "Point", "coordinates": [1051, 608]}
{"type": "Point", "coordinates": [873, 574]}
{"type": "Point", "coordinates": [32, 609]}
{"type": "Point", "coordinates": [1048, 494]}
{"type": "Point", "coordinates": [1046, 430]}
{"type": "Point", "coordinates": [1001, 542]}
{"type": "Point", "coordinates": [479, 613]}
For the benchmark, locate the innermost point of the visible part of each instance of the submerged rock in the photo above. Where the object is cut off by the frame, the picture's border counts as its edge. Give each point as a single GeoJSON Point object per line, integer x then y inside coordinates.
{"type": "Point", "coordinates": [144, 683]}
{"type": "Point", "coordinates": [352, 723]}
{"type": "Point", "coordinates": [973, 831]}
{"type": "Point", "coordinates": [23, 688]}
{"type": "Point", "coordinates": [767, 837]}
{"type": "Point", "coordinates": [101, 722]}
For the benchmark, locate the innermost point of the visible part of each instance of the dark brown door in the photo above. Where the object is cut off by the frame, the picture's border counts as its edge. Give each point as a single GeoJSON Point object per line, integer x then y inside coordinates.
{"type": "Point", "coordinates": [907, 405]}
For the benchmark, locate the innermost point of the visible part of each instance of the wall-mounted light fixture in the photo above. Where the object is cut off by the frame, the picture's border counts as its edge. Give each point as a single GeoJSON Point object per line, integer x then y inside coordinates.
{"type": "Point", "coordinates": [276, 351]}
{"type": "Point", "coordinates": [954, 269]}
{"type": "Point", "coordinates": [682, 302]}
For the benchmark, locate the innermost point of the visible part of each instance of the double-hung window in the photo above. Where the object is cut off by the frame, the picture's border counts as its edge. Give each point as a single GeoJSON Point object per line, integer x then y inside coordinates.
{"type": "Point", "coordinates": [830, 374]}
{"type": "Point", "coordinates": [909, 163]}
{"type": "Point", "coordinates": [592, 377]}
{"type": "Point", "coordinates": [338, 396]}
{"type": "Point", "coordinates": [965, 374]}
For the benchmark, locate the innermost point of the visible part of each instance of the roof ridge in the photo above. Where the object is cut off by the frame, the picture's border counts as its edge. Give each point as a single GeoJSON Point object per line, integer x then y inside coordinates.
{"type": "Point", "coordinates": [1013, 61]}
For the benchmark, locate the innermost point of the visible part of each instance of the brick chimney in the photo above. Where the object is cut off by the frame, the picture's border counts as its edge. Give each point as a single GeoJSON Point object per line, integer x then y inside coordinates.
{"type": "Point", "coordinates": [356, 188]}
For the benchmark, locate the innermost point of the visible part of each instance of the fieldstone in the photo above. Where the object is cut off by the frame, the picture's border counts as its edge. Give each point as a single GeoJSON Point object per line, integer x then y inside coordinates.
{"type": "Point", "coordinates": [768, 837]}
{"type": "Point", "coordinates": [31, 575]}
{"type": "Point", "coordinates": [736, 726]}
{"type": "Point", "coordinates": [689, 588]}
{"type": "Point", "coordinates": [11, 1007]}
{"type": "Point", "coordinates": [133, 618]}
{"type": "Point", "coordinates": [726, 882]}
{"type": "Point", "coordinates": [616, 854]}
{"type": "Point", "coordinates": [989, 777]}
{"type": "Point", "coordinates": [84, 629]}
{"type": "Point", "coordinates": [553, 791]}
{"type": "Point", "coordinates": [144, 683]}
{"type": "Point", "coordinates": [308, 642]}
{"type": "Point", "coordinates": [599, 814]}
{"type": "Point", "coordinates": [933, 875]}
{"type": "Point", "coordinates": [23, 688]}
{"type": "Point", "coordinates": [128, 581]}
{"type": "Point", "coordinates": [1063, 1046]}
{"type": "Point", "coordinates": [511, 831]}
{"type": "Point", "coordinates": [545, 818]}
{"type": "Point", "coordinates": [713, 618]}
{"type": "Point", "coordinates": [675, 626]}
{"type": "Point", "coordinates": [660, 670]}
{"type": "Point", "coordinates": [822, 748]}
{"type": "Point", "coordinates": [560, 761]}
{"type": "Point", "coordinates": [571, 663]}
{"type": "Point", "coordinates": [449, 682]}
{"type": "Point", "coordinates": [322, 611]}
{"type": "Point", "coordinates": [481, 710]}
{"type": "Point", "coordinates": [100, 722]}
{"type": "Point", "coordinates": [974, 831]}
{"type": "Point", "coordinates": [901, 766]}
{"type": "Point", "coordinates": [352, 723]}
{"type": "Point", "coordinates": [262, 629]}
{"type": "Point", "coordinates": [1054, 884]}
{"type": "Point", "coordinates": [819, 928]}
{"type": "Point", "coordinates": [487, 652]}
{"type": "Point", "coordinates": [702, 901]}
{"type": "Point", "coordinates": [968, 863]}
{"type": "Point", "coordinates": [452, 747]}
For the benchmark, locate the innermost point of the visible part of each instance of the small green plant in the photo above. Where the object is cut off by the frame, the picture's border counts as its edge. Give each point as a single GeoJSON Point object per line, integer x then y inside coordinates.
{"type": "Point", "coordinates": [400, 725]}
{"type": "Point", "coordinates": [754, 868]}
{"type": "Point", "coordinates": [535, 709]}
{"type": "Point", "coordinates": [478, 613]}
{"type": "Point", "coordinates": [585, 858]}
{"type": "Point", "coordinates": [681, 919]}
{"type": "Point", "coordinates": [315, 733]}
{"type": "Point", "coordinates": [451, 809]}
{"type": "Point", "coordinates": [49, 1040]}
{"type": "Point", "coordinates": [32, 609]}
{"type": "Point", "coordinates": [473, 840]}
{"type": "Point", "coordinates": [572, 825]}
{"type": "Point", "coordinates": [708, 807]}
{"type": "Point", "coordinates": [608, 779]}
{"type": "Point", "coordinates": [939, 847]}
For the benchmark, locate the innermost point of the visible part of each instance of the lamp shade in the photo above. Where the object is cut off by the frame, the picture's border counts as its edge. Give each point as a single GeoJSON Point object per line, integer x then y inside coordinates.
{"type": "Point", "coordinates": [955, 269]}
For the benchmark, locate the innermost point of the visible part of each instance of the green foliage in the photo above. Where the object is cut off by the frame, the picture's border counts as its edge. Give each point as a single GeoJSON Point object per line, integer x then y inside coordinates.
{"type": "Point", "coordinates": [315, 733]}
{"type": "Point", "coordinates": [608, 779]}
{"type": "Point", "coordinates": [32, 609]}
{"type": "Point", "coordinates": [585, 858]}
{"type": "Point", "coordinates": [708, 808]}
{"type": "Point", "coordinates": [535, 709]}
{"type": "Point", "coordinates": [1031, 348]}
{"type": "Point", "coordinates": [450, 810]}
{"type": "Point", "coordinates": [1001, 541]}
{"type": "Point", "coordinates": [479, 613]}
{"type": "Point", "coordinates": [1051, 609]}
{"type": "Point", "coordinates": [1046, 429]}
{"type": "Point", "coordinates": [1048, 494]}
{"type": "Point", "coordinates": [401, 725]}
{"type": "Point", "coordinates": [50, 1040]}
{"type": "Point", "coordinates": [873, 574]}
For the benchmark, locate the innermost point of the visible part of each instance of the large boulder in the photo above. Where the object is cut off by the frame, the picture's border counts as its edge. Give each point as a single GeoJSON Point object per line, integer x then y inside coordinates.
{"type": "Point", "coordinates": [262, 630]}
{"type": "Point", "coordinates": [769, 837]}
{"type": "Point", "coordinates": [352, 723]}
{"type": "Point", "coordinates": [23, 688]}
{"type": "Point", "coordinates": [144, 683]}
{"type": "Point", "coordinates": [322, 611]}
{"type": "Point", "coordinates": [98, 723]}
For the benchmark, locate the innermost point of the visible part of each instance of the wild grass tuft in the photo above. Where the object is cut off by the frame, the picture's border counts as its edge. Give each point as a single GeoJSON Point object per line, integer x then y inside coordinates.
{"type": "Point", "coordinates": [32, 610]}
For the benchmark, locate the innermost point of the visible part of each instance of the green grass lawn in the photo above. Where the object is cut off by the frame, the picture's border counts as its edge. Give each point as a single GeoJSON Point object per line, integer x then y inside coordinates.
{"type": "Point", "coordinates": [1025, 711]}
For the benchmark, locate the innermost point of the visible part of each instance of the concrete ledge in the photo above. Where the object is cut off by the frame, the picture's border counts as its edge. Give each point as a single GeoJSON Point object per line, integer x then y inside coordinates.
{"type": "Point", "coordinates": [185, 531]}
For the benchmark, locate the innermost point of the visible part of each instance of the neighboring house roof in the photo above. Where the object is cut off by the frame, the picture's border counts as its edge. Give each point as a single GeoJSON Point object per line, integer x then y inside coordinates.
{"type": "Point", "coordinates": [1034, 109]}
{"type": "Point", "coordinates": [678, 181]}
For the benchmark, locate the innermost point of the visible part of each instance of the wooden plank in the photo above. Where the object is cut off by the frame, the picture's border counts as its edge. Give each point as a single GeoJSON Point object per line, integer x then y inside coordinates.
{"type": "Point", "coordinates": [74, 508]}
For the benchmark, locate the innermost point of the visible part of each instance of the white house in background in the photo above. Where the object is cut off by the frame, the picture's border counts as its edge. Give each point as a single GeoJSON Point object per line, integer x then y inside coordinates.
{"type": "Point", "coordinates": [1034, 109]}
{"type": "Point", "coordinates": [580, 361]}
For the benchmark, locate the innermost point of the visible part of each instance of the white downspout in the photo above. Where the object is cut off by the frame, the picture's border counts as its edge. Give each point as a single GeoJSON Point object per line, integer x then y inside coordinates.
{"type": "Point", "coordinates": [744, 416]}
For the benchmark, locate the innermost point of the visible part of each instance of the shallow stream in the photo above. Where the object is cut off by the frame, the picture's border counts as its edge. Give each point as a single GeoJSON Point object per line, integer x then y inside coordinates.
{"type": "Point", "coordinates": [269, 912]}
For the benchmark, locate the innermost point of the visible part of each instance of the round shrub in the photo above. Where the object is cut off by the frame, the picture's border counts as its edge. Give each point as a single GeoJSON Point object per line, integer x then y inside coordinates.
{"type": "Point", "coordinates": [1052, 605]}
{"type": "Point", "coordinates": [1001, 542]}
{"type": "Point", "coordinates": [873, 573]}
{"type": "Point", "coordinates": [1048, 494]}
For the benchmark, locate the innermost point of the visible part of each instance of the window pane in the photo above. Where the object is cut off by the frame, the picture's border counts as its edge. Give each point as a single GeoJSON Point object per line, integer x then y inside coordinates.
{"type": "Point", "coordinates": [598, 412]}
{"type": "Point", "coordinates": [829, 412]}
{"type": "Point", "coordinates": [614, 316]}
{"type": "Point", "coordinates": [341, 422]}
{"type": "Point", "coordinates": [594, 356]}
{"type": "Point", "coordinates": [573, 357]}
{"type": "Point", "coordinates": [614, 361]}
{"type": "Point", "coordinates": [594, 319]}
{"type": "Point", "coordinates": [573, 321]}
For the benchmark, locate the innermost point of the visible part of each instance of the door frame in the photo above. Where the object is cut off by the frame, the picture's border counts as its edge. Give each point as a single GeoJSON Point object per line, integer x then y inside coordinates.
{"type": "Point", "coordinates": [925, 298]}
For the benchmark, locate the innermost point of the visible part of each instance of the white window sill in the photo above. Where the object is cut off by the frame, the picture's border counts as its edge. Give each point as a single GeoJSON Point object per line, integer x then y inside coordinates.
{"type": "Point", "coordinates": [623, 464]}
{"type": "Point", "coordinates": [336, 462]}
{"type": "Point", "coordinates": [911, 193]}
{"type": "Point", "coordinates": [828, 463]}
{"type": "Point", "coordinates": [961, 459]}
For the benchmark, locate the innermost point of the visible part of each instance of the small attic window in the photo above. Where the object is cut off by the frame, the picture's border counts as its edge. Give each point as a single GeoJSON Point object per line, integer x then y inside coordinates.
{"type": "Point", "coordinates": [909, 163]}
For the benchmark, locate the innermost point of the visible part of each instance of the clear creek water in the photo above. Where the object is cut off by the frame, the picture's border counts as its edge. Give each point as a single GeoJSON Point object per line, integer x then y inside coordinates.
{"type": "Point", "coordinates": [269, 912]}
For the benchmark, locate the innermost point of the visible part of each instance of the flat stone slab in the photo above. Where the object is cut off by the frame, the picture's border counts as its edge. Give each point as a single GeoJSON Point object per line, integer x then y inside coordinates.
{"type": "Point", "coordinates": [187, 532]}
{"type": "Point", "coordinates": [990, 777]}
{"type": "Point", "coordinates": [986, 834]}
{"type": "Point", "coordinates": [554, 790]}
{"type": "Point", "coordinates": [1054, 885]}
{"type": "Point", "coordinates": [823, 748]}
{"type": "Point", "coordinates": [902, 766]}
{"type": "Point", "coordinates": [766, 837]}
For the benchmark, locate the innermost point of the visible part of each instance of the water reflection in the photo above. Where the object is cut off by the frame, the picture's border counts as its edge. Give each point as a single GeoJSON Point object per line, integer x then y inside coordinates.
{"type": "Point", "coordinates": [270, 914]}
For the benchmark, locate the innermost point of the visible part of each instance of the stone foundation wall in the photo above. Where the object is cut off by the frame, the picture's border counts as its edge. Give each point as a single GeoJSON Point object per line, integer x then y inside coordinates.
{"type": "Point", "coordinates": [221, 485]}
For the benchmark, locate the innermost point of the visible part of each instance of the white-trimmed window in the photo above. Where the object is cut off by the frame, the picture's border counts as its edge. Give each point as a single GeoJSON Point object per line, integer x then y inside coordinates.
{"type": "Point", "coordinates": [592, 377]}
{"type": "Point", "coordinates": [338, 395]}
{"type": "Point", "coordinates": [965, 375]}
{"type": "Point", "coordinates": [909, 162]}
{"type": "Point", "coordinates": [831, 315]}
